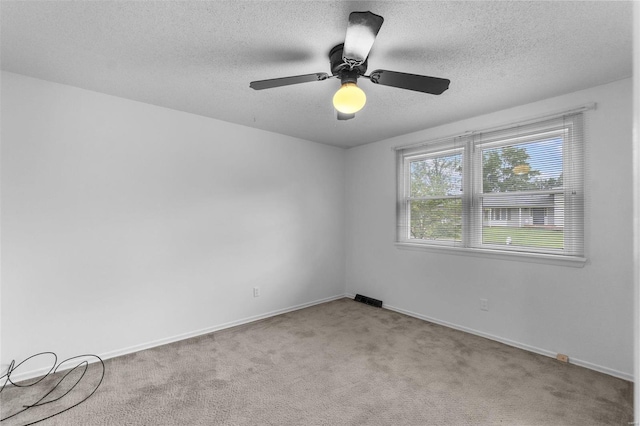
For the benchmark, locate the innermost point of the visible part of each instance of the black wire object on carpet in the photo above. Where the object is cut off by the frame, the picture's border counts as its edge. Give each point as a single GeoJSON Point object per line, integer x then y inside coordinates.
{"type": "Point", "coordinates": [53, 390]}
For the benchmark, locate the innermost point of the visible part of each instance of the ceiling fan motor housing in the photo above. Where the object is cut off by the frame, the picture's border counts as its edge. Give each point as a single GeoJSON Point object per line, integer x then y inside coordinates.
{"type": "Point", "coordinates": [341, 69]}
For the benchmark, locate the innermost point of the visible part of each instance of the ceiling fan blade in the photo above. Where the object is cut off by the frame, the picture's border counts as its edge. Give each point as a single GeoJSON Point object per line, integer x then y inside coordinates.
{"type": "Point", "coordinates": [361, 33]}
{"type": "Point", "coordinates": [343, 116]}
{"type": "Point", "coordinates": [286, 81]}
{"type": "Point", "coordinates": [419, 83]}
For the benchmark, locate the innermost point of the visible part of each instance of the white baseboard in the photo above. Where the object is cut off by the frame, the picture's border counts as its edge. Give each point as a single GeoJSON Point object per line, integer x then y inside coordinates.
{"type": "Point", "coordinates": [17, 377]}
{"type": "Point", "coordinates": [575, 361]}
{"type": "Point", "coordinates": [136, 348]}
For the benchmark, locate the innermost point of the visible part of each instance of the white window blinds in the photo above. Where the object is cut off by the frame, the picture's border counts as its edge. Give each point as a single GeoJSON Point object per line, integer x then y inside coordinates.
{"type": "Point", "coordinates": [529, 187]}
{"type": "Point", "coordinates": [519, 188]}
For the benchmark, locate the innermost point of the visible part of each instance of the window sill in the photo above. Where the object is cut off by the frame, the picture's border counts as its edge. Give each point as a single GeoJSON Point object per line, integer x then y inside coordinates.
{"type": "Point", "coordinates": [551, 259]}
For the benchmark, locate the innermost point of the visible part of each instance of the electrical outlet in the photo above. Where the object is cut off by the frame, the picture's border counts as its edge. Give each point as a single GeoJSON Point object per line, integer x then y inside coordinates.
{"type": "Point", "coordinates": [256, 291]}
{"type": "Point", "coordinates": [484, 304]}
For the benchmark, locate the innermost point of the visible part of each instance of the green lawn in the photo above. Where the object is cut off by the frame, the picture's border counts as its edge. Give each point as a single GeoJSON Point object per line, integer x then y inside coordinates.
{"type": "Point", "coordinates": [524, 237]}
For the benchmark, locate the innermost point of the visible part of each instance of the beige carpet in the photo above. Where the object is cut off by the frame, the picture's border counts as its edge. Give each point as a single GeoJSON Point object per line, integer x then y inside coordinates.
{"type": "Point", "coordinates": [340, 363]}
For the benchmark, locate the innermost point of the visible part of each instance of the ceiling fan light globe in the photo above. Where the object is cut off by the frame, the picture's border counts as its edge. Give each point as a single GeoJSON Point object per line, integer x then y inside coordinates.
{"type": "Point", "coordinates": [349, 99]}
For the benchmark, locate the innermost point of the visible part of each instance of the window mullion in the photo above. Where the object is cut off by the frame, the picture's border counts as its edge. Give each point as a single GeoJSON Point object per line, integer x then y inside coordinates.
{"type": "Point", "coordinates": [474, 187]}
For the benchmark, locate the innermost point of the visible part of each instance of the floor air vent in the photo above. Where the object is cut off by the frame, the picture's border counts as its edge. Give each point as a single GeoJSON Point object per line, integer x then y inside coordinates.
{"type": "Point", "coordinates": [368, 300]}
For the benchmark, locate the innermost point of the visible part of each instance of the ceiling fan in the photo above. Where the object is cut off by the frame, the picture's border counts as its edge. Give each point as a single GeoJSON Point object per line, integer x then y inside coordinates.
{"type": "Point", "coordinates": [349, 62]}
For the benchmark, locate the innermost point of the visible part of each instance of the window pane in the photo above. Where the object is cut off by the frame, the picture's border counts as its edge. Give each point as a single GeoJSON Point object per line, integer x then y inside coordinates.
{"type": "Point", "coordinates": [535, 221]}
{"type": "Point", "coordinates": [436, 219]}
{"type": "Point", "coordinates": [523, 167]}
{"type": "Point", "coordinates": [436, 176]}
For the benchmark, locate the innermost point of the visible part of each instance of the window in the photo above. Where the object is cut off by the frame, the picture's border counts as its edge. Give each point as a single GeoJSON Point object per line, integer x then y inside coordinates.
{"type": "Point", "coordinates": [516, 189]}
{"type": "Point", "coordinates": [435, 196]}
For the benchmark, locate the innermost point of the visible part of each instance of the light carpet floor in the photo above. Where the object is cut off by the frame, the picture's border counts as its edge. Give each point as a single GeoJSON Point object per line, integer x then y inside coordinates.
{"type": "Point", "coordinates": [338, 363]}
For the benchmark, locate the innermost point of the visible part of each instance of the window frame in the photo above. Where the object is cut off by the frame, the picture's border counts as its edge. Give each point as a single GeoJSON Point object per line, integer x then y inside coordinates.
{"type": "Point", "coordinates": [471, 145]}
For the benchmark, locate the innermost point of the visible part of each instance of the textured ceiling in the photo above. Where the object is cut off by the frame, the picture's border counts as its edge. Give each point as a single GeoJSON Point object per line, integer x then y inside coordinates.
{"type": "Point", "coordinates": [199, 56]}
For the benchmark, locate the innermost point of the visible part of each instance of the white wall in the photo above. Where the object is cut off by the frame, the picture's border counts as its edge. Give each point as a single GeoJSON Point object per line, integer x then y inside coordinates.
{"type": "Point", "coordinates": [636, 203]}
{"type": "Point", "coordinates": [126, 224]}
{"type": "Point", "coordinates": [586, 312]}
